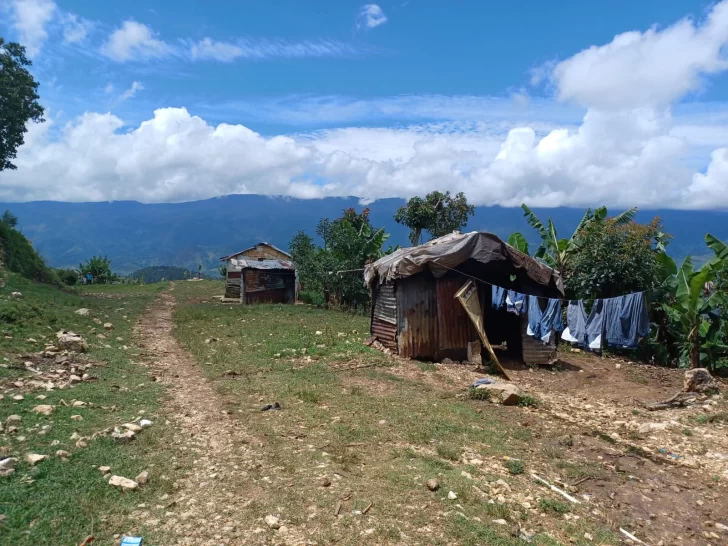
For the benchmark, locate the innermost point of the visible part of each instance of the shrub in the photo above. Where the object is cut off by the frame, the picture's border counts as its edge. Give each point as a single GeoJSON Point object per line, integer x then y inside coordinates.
{"type": "Point", "coordinates": [554, 506]}
{"type": "Point", "coordinates": [478, 394]}
{"type": "Point", "coordinates": [515, 466]}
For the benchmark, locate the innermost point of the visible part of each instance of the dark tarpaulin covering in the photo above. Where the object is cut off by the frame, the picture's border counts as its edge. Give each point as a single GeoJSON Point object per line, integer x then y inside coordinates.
{"type": "Point", "coordinates": [448, 252]}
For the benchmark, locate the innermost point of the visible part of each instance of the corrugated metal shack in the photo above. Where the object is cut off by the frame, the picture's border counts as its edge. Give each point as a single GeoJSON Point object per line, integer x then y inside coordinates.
{"type": "Point", "coordinates": [261, 281]}
{"type": "Point", "coordinates": [415, 314]}
{"type": "Point", "coordinates": [261, 274]}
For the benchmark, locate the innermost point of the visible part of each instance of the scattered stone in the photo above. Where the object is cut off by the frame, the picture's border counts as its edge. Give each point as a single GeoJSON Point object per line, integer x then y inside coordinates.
{"type": "Point", "coordinates": [433, 484]}
{"type": "Point", "coordinates": [506, 394]}
{"type": "Point", "coordinates": [142, 478]}
{"type": "Point", "coordinates": [325, 482]}
{"type": "Point", "coordinates": [452, 495]}
{"type": "Point", "coordinates": [13, 419]}
{"type": "Point", "coordinates": [18, 397]}
{"type": "Point", "coordinates": [272, 522]}
{"type": "Point", "coordinates": [319, 333]}
{"type": "Point", "coordinates": [588, 536]}
{"type": "Point", "coordinates": [76, 418]}
{"type": "Point", "coordinates": [108, 326]}
{"type": "Point", "coordinates": [16, 295]}
{"type": "Point", "coordinates": [34, 458]}
{"type": "Point", "coordinates": [7, 466]}
{"type": "Point", "coordinates": [721, 527]}
{"type": "Point", "coordinates": [62, 453]}
{"type": "Point", "coordinates": [105, 469]}
{"type": "Point", "coordinates": [652, 427]}
{"type": "Point", "coordinates": [82, 312]}
{"type": "Point", "coordinates": [71, 342]}
{"type": "Point", "coordinates": [500, 522]}
{"type": "Point", "coordinates": [474, 350]}
{"type": "Point", "coordinates": [698, 380]}
{"type": "Point", "coordinates": [40, 397]}
{"type": "Point", "coordinates": [125, 436]}
{"type": "Point", "coordinates": [132, 427]}
{"type": "Point", "coordinates": [125, 484]}
{"type": "Point", "coordinates": [145, 423]}
{"type": "Point", "coordinates": [79, 404]}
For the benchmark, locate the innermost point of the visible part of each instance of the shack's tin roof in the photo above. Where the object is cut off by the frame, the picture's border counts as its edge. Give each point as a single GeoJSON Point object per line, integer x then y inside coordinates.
{"type": "Point", "coordinates": [224, 258]}
{"type": "Point", "coordinates": [446, 253]}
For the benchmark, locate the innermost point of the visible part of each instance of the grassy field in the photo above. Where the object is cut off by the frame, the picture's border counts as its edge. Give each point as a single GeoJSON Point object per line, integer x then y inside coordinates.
{"type": "Point", "coordinates": [363, 432]}
{"type": "Point", "coordinates": [64, 499]}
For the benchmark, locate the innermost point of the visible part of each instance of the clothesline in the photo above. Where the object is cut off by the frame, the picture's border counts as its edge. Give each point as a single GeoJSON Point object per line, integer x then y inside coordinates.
{"type": "Point", "coordinates": [532, 295]}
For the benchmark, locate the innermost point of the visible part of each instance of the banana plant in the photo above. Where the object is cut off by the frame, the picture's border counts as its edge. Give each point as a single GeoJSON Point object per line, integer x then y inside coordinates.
{"type": "Point", "coordinates": [518, 241]}
{"type": "Point", "coordinates": [692, 312]}
{"type": "Point", "coordinates": [556, 252]}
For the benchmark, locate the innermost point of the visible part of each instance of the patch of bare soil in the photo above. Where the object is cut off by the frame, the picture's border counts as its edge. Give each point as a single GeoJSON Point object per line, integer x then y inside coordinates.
{"type": "Point", "coordinates": [214, 503]}
{"type": "Point", "coordinates": [662, 475]}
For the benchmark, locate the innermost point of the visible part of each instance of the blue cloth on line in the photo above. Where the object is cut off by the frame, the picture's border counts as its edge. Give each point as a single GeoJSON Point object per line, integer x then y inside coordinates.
{"type": "Point", "coordinates": [626, 320]}
{"type": "Point", "coordinates": [484, 381]}
{"type": "Point", "coordinates": [498, 297]}
{"type": "Point", "coordinates": [541, 324]}
{"type": "Point", "coordinates": [585, 331]}
{"type": "Point", "coordinates": [516, 303]}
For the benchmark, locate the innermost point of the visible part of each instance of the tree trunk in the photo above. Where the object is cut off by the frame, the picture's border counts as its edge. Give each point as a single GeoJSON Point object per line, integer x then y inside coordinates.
{"type": "Point", "coordinates": [695, 350]}
{"type": "Point", "coordinates": [416, 233]}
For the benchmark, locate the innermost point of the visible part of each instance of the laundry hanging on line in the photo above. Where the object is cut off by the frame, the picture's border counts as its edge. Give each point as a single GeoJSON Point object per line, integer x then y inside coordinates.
{"type": "Point", "coordinates": [626, 320]}
{"type": "Point", "coordinates": [582, 330]}
{"type": "Point", "coordinates": [619, 322]}
{"type": "Point", "coordinates": [542, 324]}
{"type": "Point", "coordinates": [516, 303]}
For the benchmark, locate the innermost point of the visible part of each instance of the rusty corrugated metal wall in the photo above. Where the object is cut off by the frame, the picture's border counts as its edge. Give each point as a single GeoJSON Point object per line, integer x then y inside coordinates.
{"type": "Point", "coordinates": [384, 315]}
{"type": "Point", "coordinates": [266, 286]}
{"type": "Point", "coordinates": [417, 322]}
{"type": "Point", "coordinates": [455, 328]}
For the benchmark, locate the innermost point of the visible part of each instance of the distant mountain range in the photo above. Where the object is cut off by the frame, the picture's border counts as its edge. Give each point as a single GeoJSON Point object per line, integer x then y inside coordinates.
{"type": "Point", "coordinates": [134, 235]}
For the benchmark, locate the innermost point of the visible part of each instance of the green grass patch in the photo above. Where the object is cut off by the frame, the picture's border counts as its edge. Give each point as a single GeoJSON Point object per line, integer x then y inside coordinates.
{"type": "Point", "coordinates": [553, 506]}
{"type": "Point", "coordinates": [61, 501]}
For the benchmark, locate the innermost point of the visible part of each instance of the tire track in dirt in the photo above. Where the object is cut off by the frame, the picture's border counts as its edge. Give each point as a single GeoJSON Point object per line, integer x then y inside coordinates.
{"type": "Point", "coordinates": [212, 503]}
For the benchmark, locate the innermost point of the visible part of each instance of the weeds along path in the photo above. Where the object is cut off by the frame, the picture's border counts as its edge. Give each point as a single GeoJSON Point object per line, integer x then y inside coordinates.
{"type": "Point", "coordinates": [208, 507]}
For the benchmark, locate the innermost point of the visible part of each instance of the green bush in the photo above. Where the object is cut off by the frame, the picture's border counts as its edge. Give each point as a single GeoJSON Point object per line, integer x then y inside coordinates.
{"type": "Point", "coordinates": [68, 277]}
{"type": "Point", "coordinates": [312, 298]}
{"type": "Point", "coordinates": [478, 394]}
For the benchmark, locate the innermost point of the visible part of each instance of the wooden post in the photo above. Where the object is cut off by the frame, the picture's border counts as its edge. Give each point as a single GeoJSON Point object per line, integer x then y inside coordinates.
{"type": "Point", "coordinates": [468, 298]}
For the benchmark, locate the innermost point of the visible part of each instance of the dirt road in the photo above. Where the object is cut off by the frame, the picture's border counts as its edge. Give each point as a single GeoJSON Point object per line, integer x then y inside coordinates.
{"type": "Point", "coordinates": [206, 506]}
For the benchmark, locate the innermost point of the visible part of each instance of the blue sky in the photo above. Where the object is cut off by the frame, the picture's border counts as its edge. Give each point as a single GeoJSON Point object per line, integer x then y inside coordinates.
{"type": "Point", "coordinates": [549, 103]}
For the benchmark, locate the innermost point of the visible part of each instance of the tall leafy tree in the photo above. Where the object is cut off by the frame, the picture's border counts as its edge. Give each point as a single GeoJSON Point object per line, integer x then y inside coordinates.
{"type": "Point", "coordinates": [99, 267]}
{"type": "Point", "coordinates": [334, 269]}
{"type": "Point", "coordinates": [18, 101]}
{"type": "Point", "coordinates": [9, 219]}
{"type": "Point", "coordinates": [614, 258]}
{"type": "Point", "coordinates": [438, 213]}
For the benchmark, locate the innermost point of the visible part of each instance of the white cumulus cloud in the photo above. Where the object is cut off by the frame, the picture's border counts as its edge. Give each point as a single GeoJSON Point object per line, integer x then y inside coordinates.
{"type": "Point", "coordinates": [370, 16]}
{"type": "Point", "coordinates": [134, 41]}
{"type": "Point", "coordinates": [30, 18]}
{"type": "Point", "coordinates": [655, 67]}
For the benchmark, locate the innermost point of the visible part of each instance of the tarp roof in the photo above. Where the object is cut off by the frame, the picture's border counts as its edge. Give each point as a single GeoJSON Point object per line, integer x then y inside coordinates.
{"type": "Point", "coordinates": [238, 263]}
{"type": "Point", "coordinates": [448, 252]}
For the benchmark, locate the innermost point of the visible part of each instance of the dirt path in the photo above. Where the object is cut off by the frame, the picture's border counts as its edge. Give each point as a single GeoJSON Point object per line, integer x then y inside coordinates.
{"type": "Point", "coordinates": [207, 506]}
